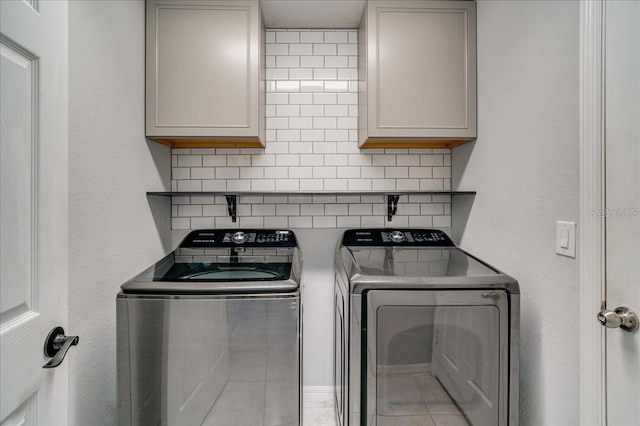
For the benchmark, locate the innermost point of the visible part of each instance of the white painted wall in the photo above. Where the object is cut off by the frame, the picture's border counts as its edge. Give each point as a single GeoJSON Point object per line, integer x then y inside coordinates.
{"type": "Point", "coordinates": [114, 230]}
{"type": "Point", "coordinates": [525, 168]}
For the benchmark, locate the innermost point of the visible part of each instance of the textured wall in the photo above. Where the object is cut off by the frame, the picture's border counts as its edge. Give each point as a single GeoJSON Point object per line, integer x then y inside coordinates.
{"type": "Point", "coordinates": [114, 231]}
{"type": "Point", "coordinates": [525, 168]}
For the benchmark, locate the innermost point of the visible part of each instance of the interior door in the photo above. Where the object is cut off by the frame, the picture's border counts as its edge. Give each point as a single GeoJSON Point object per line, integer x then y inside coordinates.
{"type": "Point", "coordinates": [33, 208]}
{"type": "Point", "coordinates": [622, 141]}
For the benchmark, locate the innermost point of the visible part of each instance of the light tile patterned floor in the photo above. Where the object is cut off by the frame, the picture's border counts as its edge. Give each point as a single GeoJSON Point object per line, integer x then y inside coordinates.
{"type": "Point", "coordinates": [404, 400]}
{"type": "Point", "coordinates": [319, 412]}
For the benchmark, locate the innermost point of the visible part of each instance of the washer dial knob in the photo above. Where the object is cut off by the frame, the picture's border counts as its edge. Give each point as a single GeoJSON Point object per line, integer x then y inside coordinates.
{"type": "Point", "coordinates": [397, 237]}
{"type": "Point", "coordinates": [239, 237]}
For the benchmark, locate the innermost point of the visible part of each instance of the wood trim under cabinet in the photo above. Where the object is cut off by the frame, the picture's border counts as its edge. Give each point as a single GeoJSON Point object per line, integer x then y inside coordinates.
{"type": "Point", "coordinates": [175, 142]}
{"type": "Point", "coordinates": [371, 143]}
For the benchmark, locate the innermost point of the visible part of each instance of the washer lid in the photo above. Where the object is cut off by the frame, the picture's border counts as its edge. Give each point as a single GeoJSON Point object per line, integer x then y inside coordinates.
{"type": "Point", "coordinates": [190, 270]}
{"type": "Point", "coordinates": [419, 267]}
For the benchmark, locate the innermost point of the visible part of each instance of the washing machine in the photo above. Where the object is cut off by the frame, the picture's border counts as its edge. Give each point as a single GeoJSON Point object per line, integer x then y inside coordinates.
{"type": "Point", "coordinates": [211, 334]}
{"type": "Point", "coordinates": [425, 332]}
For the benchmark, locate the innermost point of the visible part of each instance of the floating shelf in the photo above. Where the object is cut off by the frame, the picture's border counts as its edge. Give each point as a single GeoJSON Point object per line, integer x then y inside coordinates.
{"type": "Point", "coordinates": [232, 196]}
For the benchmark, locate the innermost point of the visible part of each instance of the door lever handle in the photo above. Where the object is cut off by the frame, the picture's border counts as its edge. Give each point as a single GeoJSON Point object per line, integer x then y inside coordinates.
{"type": "Point", "coordinates": [56, 345]}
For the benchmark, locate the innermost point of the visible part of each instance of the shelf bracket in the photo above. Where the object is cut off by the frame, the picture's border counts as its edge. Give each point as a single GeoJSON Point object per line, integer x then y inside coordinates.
{"type": "Point", "coordinates": [231, 206]}
{"type": "Point", "coordinates": [392, 206]}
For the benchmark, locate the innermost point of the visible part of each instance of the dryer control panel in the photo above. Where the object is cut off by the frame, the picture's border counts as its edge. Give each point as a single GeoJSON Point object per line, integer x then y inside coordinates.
{"type": "Point", "coordinates": [396, 237]}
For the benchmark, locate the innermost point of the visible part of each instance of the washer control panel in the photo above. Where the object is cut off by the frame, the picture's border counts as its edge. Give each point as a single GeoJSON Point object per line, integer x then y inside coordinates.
{"type": "Point", "coordinates": [207, 238]}
{"type": "Point", "coordinates": [396, 237]}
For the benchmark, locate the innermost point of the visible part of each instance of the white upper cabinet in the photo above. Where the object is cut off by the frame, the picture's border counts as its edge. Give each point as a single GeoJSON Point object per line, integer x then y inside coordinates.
{"type": "Point", "coordinates": [205, 73]}
{"type": "Point", "coordinates": [417, 74]}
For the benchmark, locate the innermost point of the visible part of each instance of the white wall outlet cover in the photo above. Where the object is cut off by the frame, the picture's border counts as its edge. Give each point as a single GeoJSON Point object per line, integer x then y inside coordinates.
{"type": "Point", "coordinates": [566, 238]}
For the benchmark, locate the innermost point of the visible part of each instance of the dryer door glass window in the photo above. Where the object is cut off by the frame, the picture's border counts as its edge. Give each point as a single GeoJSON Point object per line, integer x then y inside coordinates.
{"type": "Point", "coordinates": [434, 362]}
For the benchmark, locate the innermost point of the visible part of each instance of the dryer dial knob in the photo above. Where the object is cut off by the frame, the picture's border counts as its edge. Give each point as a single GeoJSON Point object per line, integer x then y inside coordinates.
{"type": "Point", "coordinates": [239, 237]}
{"type": "Point", "coordinates": [397, 236]}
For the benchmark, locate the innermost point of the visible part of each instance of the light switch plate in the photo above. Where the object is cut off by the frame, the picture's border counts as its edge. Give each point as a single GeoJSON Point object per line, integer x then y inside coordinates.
{"type": "Point", "coordinates": [566, 238]}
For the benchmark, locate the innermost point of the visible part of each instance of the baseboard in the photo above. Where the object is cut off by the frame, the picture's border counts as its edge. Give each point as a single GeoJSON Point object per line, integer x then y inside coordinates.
{"type": "Point", "coordinates": [423, 368]}
{"type": "Point", "coordinates": [317, 394]}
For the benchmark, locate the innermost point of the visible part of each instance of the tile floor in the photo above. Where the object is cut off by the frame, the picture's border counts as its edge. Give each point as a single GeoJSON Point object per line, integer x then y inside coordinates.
{"type": "Point", "coordinates": [318, 412]}
{"type": "Point", "coordinates": [403, 400]}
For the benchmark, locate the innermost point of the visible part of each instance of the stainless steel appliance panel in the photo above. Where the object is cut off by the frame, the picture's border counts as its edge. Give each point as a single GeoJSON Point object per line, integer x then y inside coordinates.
{"type": "Point", "coordinates": [189, 360]}
{"type": "Point", "coordinates": [411, 304]}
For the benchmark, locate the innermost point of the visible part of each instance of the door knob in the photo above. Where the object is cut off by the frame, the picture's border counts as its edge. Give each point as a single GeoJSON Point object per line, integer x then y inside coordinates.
{"type": "Point", "coordinates": [622, 317]}
{"type": "Point", "coordinates": [56, 345]}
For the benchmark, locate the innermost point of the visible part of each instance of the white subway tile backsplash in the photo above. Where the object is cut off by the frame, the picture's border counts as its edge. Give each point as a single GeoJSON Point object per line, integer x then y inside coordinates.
{"type": "Point", "coordinates": [348, 49]}
{"type": "Point", "coordinates": [270, 37]}
{"type": "Point", "coordinates": [312, 110]}
{"type": "Point", "coordinates": [277, 49]}
{"type": "Point", "coordinates": [420, 172]}
{"type": "Point", "coordinates": [203, 173]}
{"type": "Point", "coordinates": [189, 210]}
{"type": "Point", "coordinates": [311, 37]}
{"type": "Point", "coordinates": [336, 184]}
{"type": "Point", "coordinates": [287, 37]}
{"type": "Point", "coordinates": [347, 74]}
{"type": "Point", "coordinates": [336, 86]}
{"type": "Point", "coordinates": [287, 185]}
{"type": "Point", "coordinates": [312, 160]}
{"type": "Point", "coordinates": [312, 86]}
{"type": "Point", "coordinates": [301, 123]}
{"type": "Point", "coordinates": [325, 49]}
{"type": "Point", "coordinates": [311, 145]}
{"type": "Point", "coordinates": [189, 160]}
{"type": "Point", "coordinates": [263, 160]}
{"type": "Point", "coordinates": [336, 61]}
{"type": "Point", "coordinates": [276, 74]}
{"type": "Point", "coordinates": [298, 49]}
{"type": "Point", "coordinates": [325, 98]}
{"type": "Point", "coordinates": [324, 122]}
{"type": "Point", "coordinates": [312, 185]}
{"type": "Point", "coordinates": [336, 111]}
{"type": "Point", "coordinates": [408, 184]}
{"type": "Point", "coordinates": [360, 185]}
{"type": "Point", "coordinates": [408, 160]}
{"type": "Point", "coordinates": [276, 173]}
{"type": "Point", "coordinates": [238, 185]}
{"type": "Point", "coordinates": [189, 185]}
{"type": "Point", "coordinates": [442, 172]}
{"type": "Point", "coordinates": [287, 86]}
{"type": "Point", "coordinates": [287, 160]}
{"type": "Point", "coordinates": [288, 209]}
{"type": "Point", "coordinates": [300, 172]}
{"type": "Point", "coordinates": [301, 73]}
{"type": "Point", "coordinates": [348, 222]}
{"type": "Point", "coordinates": [301, 98]}
{"type": "Point", "coordinates": [287, 110]}
{"type": "Point", "coordinates": [336, 160]}
{"type": "Point", "coordinates": [214, 185]}
{"type": "Point", "coordinates": [263, 184]}
{"type": "Point", "coordinates": [324, 222]}
{"type": "Point", "coordinates": [251, 172]}
{"type": "Point", "coordinates": [347, 98]}
{"type": "Point", "coordinates": [288, 135]}
{"type": "Point", "coordinates": [324, 148]}
{"type": "Point", "coordinates": [311, 61]}
{"type": "Point", "coordinates": [301, 148]}
{"type": "Point", "coordinates": [180, 173]}
{"type": "Point", "coordinates": [326, 74]}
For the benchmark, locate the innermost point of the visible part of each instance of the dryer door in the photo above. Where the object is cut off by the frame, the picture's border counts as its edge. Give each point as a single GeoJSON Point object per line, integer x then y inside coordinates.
{"type": "Point", "coordinates": [441, 356]}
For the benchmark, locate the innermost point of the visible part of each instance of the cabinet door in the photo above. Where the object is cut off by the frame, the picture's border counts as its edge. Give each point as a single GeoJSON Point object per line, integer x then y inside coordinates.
{"type": "Point", "coordinates": [421, 66]}
{"type": "Point", "coordinates": [202, 69]}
